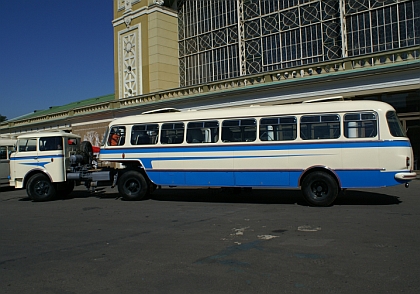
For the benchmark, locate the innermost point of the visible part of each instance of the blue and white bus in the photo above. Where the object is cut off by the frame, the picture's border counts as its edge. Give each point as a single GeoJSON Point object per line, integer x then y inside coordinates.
{"type": "Point", "coordinates": [319, 147]}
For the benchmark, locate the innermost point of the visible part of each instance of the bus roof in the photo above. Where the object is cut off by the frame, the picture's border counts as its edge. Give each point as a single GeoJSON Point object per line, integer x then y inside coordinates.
{"type": "Point", "coordinates": [7, 142]}
{"type": "Point", "coordinates": [256, 111]}
{"type": "Point", "coordinates": [48, 134]}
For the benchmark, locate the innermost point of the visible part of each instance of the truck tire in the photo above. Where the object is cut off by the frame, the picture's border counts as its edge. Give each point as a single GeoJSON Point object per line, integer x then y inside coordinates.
{"type": "Point", "coordinates": [40, 188]}
{"type": "Point", "coordinates": [319, 189]}
{"type": "Point", "coordinates": [132, 185]}
{"type": "Point", "coordinates": [86, 151]}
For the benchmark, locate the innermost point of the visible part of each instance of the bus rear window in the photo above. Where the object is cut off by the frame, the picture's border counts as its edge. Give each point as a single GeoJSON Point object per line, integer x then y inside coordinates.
{"type": "Point", "coordinates": [394, 124]}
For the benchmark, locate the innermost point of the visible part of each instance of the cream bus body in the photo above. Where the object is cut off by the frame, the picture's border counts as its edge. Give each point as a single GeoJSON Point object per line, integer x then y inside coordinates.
{"type": "Point", "coordinates": [356, 144]}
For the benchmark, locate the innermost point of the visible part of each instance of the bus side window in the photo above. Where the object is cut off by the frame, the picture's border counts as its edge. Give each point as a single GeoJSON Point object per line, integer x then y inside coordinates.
{"type": "Point", "coordinates": [203, 132]}
{"type": "Point", "coordinates": [318, 127]}
{"type": "Point", "coordinates": [172, 133]}
{"type": "Point", "coordinates": [278, 128]}
{"type": "Point", "coordinates": [144, 134]}
{"type": "Point", "coordinates": [360, 125]}
{"type": "Point", "coordinates": [239, 130]}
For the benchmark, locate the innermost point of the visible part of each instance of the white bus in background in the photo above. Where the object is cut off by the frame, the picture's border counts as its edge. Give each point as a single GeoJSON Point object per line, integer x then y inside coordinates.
{"type": "Point", "coordinates": [318, 147]}
{"type": "Point", "coordinates": [7, 146]}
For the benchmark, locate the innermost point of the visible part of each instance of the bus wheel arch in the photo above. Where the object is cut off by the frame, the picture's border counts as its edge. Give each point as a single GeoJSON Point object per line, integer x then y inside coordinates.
{"type": "Point", "coordinates": [320, 186]}
{"type": "Point", "coordinates": [133, 185]}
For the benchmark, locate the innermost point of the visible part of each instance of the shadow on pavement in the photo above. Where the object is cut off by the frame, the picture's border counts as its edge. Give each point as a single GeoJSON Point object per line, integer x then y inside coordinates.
{"type": "Point", "coordinates": [230, 195]}
{"type": "Point", "coordinates": [268, 196]}
{"type": "Point", "coordinates": [354, 197]}
{"type": "Point", "coordinates": [237, 195]}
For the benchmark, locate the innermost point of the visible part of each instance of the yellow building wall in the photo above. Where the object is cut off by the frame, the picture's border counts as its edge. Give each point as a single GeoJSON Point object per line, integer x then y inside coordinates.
{"type": "Point", "coordinates": [145, 48]}
{"type": "Point", "coordinates": [163, 52]}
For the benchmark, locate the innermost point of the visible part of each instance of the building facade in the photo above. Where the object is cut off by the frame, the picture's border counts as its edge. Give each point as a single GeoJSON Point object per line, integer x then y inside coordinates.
{"type": "Point", "coordinates": [220, 40]}
{"type": "Point", "coordinates": [210, 54]}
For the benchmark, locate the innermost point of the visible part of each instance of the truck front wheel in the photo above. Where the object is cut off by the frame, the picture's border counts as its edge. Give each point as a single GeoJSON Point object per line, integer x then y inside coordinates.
{"type": "Point", "coordinates": [132, 185]}
{"type": "Point", "coordinates": [40, 188]}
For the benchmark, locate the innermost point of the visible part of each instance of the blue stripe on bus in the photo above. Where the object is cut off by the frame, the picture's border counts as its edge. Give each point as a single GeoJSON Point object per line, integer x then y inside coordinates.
{"type": "Point", "coordinates": [147, 161]}
{"type": "Point", "coordinates": [282, 178]}
{"type": "Point", "coordinates": [41, 163]}
{"type": "Point", "coordinates": [245, 178]}
{"type": "Point", "coordinates": [36, 157]}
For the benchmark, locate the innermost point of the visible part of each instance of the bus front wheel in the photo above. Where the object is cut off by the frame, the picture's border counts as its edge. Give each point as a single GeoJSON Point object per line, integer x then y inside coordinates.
{"type": "Point", "coordinates": [40, 188]}
{"type": "Point", "coordinates": [319, 189]}
{"type": "Point", "coordinates": [132, 185]}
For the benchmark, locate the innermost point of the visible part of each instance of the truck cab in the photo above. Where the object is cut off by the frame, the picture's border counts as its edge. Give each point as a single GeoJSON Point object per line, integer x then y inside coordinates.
{"type": "Point", "coordinates": [41, 162]}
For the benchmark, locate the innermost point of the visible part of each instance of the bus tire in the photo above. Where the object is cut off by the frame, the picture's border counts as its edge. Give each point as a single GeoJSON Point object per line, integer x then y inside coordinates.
{"type": "Point", "coordinates": [40, 188]}
{"type": "Point", "coordinates": [132, 185]}
{"type": "Point", "coordinates": [319, 189]}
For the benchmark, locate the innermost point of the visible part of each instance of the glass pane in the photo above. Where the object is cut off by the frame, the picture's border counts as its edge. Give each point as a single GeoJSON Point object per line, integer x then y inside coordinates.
{"type": "Point", "coordinates": [172, 133]}
{"type": "Point", "coordinates": [27, 145]}
{"type": "Point", "coordinates": [116, 136]}
{"type": "Point", "coordinates": [278, 129]}
{"type": "Point", "coordinates": [50, 143]}
{"type": "Point", "coordinates": [144, 134]}
{"type": "Point", "coordinates": [394, 124]}
{"type": "Point", "coordinates": [239, 130]}
{"type": "Point", "coordinates": [203, 132]}
{"type": "Point", "coordinates": [315, 127]}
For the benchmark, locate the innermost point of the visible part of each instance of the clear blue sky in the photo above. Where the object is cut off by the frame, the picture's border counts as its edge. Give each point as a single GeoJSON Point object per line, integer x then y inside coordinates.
{"type": "Point", "coordinates": [54, 52]}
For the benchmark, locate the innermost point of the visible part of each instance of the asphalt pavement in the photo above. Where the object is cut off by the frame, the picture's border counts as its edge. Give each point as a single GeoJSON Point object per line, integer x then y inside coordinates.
{"type": "Point", "coordinates": [211, 241]}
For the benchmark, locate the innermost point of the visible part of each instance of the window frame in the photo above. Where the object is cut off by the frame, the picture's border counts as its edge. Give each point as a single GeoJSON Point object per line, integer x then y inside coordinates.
{"type": "Point", "coordinates": [242, 125]}
{"type": "Point", "coordinates": [361, 128]}
{"type": "Point", "coordinates": [277, 132]}
{"type": "Point", "coordinates": [323, 124]}
{"type": "Point", "coordinates": [177, 133]}
{"type": "Point", "coordinates": [154, 127]}
{"type": "Point", "coordinates": [206, 127]}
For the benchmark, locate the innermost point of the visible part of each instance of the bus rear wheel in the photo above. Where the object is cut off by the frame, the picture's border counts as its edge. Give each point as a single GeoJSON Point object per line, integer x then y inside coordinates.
{"type": "Point", "coordinates": [40, 188]}
{"type": "Point", "coordinates": [132, 185]}
{"type": "Point", "coordinates": [319, 189]}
